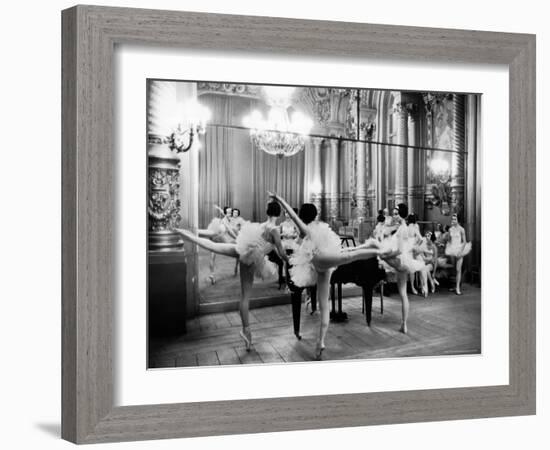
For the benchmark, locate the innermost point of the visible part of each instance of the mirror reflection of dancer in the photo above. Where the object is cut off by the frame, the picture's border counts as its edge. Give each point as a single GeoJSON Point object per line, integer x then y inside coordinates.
{"type": "Point", "coordinates": [253, 244]}
{"type": "Point", "coordinates": [318, 254]}
{"type": "Point", "coordinates": [236, 222]}
{"type": "Point", "coordinates": [405, 263]}
{"type": "Point", "coordinates": [457, 248]}
{"type": "Point", "coordinates": [219, 230]}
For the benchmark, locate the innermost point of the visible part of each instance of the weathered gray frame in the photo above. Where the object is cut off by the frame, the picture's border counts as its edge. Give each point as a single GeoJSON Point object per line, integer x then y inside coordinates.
{"type": "Point", "coordinates": [89, 36]}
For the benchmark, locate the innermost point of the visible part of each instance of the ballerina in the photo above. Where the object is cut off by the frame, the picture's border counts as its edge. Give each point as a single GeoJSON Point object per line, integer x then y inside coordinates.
{"type": "Point", "coordinates": [405, 263]}
{"type": "Point", "coordinates": [318, 254]}
{"type": "Point", "coordinates": [253, 243]}
{"type": "Point", "coordinates": [428, 251]}
{"type": "Point", "coordinates": [457, 248]}
{"type": "Point", "coordinates": [236, 222]}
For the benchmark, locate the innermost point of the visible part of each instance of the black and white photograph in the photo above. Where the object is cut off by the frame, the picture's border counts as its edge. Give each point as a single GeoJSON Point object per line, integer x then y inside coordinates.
{"type": "Point", "coordinates": [296, 224]}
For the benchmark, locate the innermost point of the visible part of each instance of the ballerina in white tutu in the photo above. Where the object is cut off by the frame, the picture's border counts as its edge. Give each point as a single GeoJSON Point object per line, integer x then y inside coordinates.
{"type": "Point", "coordinates": [405, 262]}
{"type": "Point", "coordinates": [254, 242]}
{"type": "Point", "coordinates": [457, 248]}
{"type": "Point", "coordinates": [318, 254]}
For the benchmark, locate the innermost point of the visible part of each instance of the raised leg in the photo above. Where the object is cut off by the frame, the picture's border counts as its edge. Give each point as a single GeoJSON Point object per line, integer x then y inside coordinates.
{"type": "Point", "coordinates": [324, 261]}
{"type": "Point", "coordinates": [216, 247]}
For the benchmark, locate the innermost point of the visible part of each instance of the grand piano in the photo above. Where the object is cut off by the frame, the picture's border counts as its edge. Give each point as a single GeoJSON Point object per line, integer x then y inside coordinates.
{"type": "Point", "coordinates": [364, 273]}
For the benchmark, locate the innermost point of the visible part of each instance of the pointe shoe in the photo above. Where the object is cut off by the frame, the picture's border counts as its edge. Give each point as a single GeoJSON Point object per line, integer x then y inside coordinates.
{"type": "Point", "coordinates": [212, 279]}
{"type": "Point", "coordinates": [319, 352]}
{"type": "Point", "coordinates": [436, 282]}
{"type": "Point", "coordinates": [414, 291]}
{"type": "Point", "coordinates": [298, 336]}
{"type": "Point", "coordinates": [403, 328]}
{"type": "Point", "coordinates": [247, 338]}
{"type": "Point", "coordinates": [458, 292]}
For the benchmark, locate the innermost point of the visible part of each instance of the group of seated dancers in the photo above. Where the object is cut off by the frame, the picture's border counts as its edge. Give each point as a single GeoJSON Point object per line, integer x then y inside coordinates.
{"type": "Point", "coordinates": [312, 251]}
{"type": "Point", "coordinates": [443, 249]}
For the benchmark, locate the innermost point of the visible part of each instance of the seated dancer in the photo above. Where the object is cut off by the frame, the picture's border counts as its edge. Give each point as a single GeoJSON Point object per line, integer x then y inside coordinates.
{"type": "Point", "coordinates": [405, 263]}
{"type": "Point", "coordinates": [428, 252]}
{"type": "Point", "coordinates": [457, 248]}
{"type": "Point", "coordinates": [318, 254]}
{"type": "Point", "coordinates": [253, 243]}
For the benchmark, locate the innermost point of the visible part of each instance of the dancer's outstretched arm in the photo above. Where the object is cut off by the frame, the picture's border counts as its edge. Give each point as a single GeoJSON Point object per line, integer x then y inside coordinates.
{"type": "Point", "coordinates": [216, 247]}
{"type": "Point", "coordinates": [301, 225]}
{"type": "Point", "coordinates": [221, 211]}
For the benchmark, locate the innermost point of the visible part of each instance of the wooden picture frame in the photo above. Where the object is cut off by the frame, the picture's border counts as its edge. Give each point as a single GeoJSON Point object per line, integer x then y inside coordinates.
{"type": "Point", "coordinates": [89, 37]}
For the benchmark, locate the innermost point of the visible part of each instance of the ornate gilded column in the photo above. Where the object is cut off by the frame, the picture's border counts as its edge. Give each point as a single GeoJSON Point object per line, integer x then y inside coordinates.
{"type": "Point", "coordinates": [332, 178]}
{"type": "Point", "coordinates": [316, 188]}
{"type": "Point", "coordinates": [164, 203]}
{"type": "Point", "coordinates": [400, 168]}
{"type": "Point", "coordinates": [429, 102]}
{"type": "Point", "coordinates": [372, 167]}
{"type": "Point", "coordinates": [457, 161]}
{"type": "Point", "coordinates": [415, 191]}
{"type": "Point", "coordinates": [361, 176]}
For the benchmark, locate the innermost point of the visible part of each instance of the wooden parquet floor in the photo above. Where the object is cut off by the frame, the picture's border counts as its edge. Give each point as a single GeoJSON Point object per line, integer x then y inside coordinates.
{"type": "Point", "coordinates": [442, 324]}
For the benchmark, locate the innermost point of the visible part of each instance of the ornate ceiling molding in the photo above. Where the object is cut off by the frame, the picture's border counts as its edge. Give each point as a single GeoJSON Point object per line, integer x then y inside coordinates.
{"type": "Point", "coordinates": [241, 90]}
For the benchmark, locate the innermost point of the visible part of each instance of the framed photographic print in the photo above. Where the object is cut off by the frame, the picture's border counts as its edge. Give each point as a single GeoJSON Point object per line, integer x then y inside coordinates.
{"type": "Point", "coordinates": [317, 222]}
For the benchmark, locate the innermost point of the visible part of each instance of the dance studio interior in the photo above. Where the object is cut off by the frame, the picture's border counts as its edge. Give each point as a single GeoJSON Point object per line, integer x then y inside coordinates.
{"type": "Point", "coordinates": [394, 180]}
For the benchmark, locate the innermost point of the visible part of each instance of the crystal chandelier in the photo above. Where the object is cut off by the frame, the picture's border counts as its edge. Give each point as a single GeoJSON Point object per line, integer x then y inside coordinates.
{"type": "Point", "coordinates": [281, 134]}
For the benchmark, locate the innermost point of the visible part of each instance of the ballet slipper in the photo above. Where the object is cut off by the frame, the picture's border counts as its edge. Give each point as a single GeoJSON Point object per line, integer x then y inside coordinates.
{"type": "Point", "coordinates": [319, 352]}
{"type": "Point", "coordinates": [247, 338]}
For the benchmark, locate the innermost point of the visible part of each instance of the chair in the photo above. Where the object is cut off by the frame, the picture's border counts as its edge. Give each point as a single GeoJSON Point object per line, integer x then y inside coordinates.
{"type": "Point", "coordinates": [346, 233]}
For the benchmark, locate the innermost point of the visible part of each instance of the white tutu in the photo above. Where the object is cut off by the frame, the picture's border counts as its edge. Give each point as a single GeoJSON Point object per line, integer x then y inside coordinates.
{"type": "Point", "coordinates": [321, 239]}
{"type": "Point", "coordinates": [405, 261]}
{"type": "Point", "coordinates": [219, 229]}
{"type": "Point", "coordinates": [458, 250]}
{"type": "Point", "coordinates": [253, 249]}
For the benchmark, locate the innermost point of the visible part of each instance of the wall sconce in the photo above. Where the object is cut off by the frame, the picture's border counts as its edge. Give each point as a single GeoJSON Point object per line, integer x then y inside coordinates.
{"type": "Point", "coordinates": [197, 115]}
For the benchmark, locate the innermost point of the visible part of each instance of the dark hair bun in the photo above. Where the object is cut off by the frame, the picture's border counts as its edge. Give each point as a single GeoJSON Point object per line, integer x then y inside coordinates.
{"type": "Point", "coordinates": [273, 209]}
{"type": "Point", "coordinates": [308, 213]}
{"type": "Point", "coordinates": [403, 210]}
